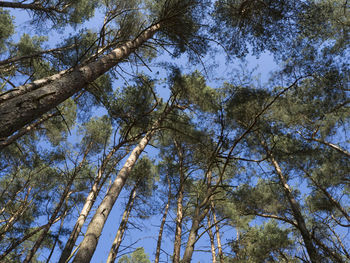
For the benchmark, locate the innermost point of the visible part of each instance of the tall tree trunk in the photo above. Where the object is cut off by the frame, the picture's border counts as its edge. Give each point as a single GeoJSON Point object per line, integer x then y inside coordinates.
{"type": "Point", "coordinates": [118, 238]}
{"type": "Point", "coordinates": [311, 250]}
{"type": "Point", "coordinates": [179, 212]}
{"type": "Point", "coordinates": [217, 230]}
{"type": "Point", "coordinates": [159, 241]}
{"type": "Point", "coordinates": [192, 238]}
{"type": "Point", "coordinates": [53, 217]}
{"type": "Point", "coordinates": [94, 230]}
{"type": "Point", "coordinates": [90, 200]}
{"type": "Point", "coordinates": [24, 104]}
{"type": "Point", "coordinates": [211, 237]}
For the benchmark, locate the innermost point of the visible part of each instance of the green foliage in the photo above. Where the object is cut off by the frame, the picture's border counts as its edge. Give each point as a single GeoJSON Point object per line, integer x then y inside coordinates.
{"type": "Point", "coordinates": [97, 131]}
{"type": "Point", "coordinates": [138, 256]}
{"type": "Point", "coordinates": [264, 243]}
{"type": "Point", "coordinates": [6, 28]}
{"type": "Point", "coordinates": [261, 24]}
{"type": "Point", "coordinates": [182, 20]}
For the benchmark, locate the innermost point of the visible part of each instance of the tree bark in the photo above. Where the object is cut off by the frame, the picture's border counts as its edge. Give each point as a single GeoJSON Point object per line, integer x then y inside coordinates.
{"type": "Point", "coordinates": [159, 241]}
{"type": "Point", "coordinates": [93, 233]}
{"type": "Point", "coordinates": [26, 103]}
{"type": "Point", "coordinates": [118, 238]}
{"type": "Point", "coordinates": [90, 200]}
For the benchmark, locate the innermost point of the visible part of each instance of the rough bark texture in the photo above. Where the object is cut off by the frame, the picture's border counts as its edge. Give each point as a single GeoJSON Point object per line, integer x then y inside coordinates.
{"type": "Point", "coordinates": [118, 238]}
{"type": "Point", "coordinates": [90, 200]}
{"type": "Point", "coordinates": [26, 103]}
{"type": "Point", "coordinates": [93, 233]}
{"type": "Point", "coordinates": [160, 234]}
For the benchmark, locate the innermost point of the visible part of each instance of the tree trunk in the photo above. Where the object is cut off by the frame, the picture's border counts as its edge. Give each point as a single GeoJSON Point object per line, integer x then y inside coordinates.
{"type": "Point", "coordinates": [179, 212]}
{"type": "Point", "coordinates": [24, 104]}
{"type": "Point", "coordinates": [311, 250]}
{"type": "Point", "coordinates": [217, 230]}
{"type": "Point", "coordinates": [159, 241]}
{"type": "Point", "coordinates": [93, 233]}
{"type": "Point", "coordinates": [192, 238]}
{"type": "Point", "coordinates": [211, 237]}
{"type": "Point", "coordinates": [118, 238]}
{"type": "Point", "coordinates": [90, 200]}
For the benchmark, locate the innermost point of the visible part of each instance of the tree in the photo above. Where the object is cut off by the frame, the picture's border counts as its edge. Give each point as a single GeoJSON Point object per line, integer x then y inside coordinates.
{"type": "Point", "coordinates": [31, 101]}
{"type": "Point", "coordinates": [138, 255]}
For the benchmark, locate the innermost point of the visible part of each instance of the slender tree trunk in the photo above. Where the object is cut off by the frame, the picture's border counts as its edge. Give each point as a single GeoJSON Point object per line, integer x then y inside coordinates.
{"type": "Point", "coordinates": [159, 241]}
{"type": "Point", "coordinates": [24, 104]}
{"type": "Point", "coordinates": [311, 250]}
{"type": "Point", "coordinates": [118, 238]}
{"type": "Point", "coordinates": [94, 230]}
{"type": "Point", "coordinates": [217, 230]}
{"type": "Point", "coordinates": [211, 237]}
{"type": "Point", "coordinates": [90, 200]}
{"type": "Point", "coordinates": [179, 212]}
{"type": "Point", "coordinates": [64, 197]}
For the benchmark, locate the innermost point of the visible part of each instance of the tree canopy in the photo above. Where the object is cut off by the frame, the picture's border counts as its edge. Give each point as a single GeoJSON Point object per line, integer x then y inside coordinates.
{"type": "Point", "coordinates": [152, 113]}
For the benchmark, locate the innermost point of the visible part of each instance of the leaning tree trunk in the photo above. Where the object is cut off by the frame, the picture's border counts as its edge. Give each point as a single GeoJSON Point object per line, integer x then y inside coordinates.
{"type": "Point", "coordinates": [90, 200]}
{"type": "Point", "coordinates": [94, 230]}
{"type": "Point", "coordinates": [310, 248]}
{"type": "Point", "coordinates": [24, 104]}
{"type": "Point", "coordinates": [118, 238]}
{"type": "Point", "coordinates": [159, 241]}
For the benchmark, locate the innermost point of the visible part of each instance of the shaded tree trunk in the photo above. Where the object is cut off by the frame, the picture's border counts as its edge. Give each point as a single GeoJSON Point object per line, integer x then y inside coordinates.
{"type": "Point", "coordinates": [118, 238]}
{"type": "Point", "coordinates": [24, 104]}
{"type": "Point", "coordinates": [192, 238]}
{"type": "Point", "coordinates": [159, 241]}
